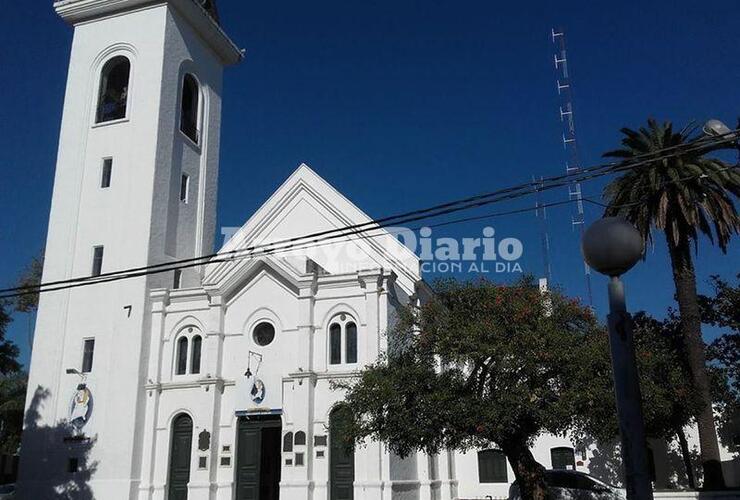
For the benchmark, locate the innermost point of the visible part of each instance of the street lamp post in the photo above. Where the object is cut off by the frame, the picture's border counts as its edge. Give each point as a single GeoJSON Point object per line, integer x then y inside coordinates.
{"type": "Point", "coordinates": [612, 246]}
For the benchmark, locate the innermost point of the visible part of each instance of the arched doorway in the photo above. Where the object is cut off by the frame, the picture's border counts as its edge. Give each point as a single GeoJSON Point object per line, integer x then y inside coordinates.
{"type": "Point", "coordinates": [341, 458]}
{"type": "Point", "coordinates": [180, 451]}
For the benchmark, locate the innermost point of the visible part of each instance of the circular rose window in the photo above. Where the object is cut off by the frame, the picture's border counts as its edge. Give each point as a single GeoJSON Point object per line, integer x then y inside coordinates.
{"type": "Point", "coordinates": [264, 333]}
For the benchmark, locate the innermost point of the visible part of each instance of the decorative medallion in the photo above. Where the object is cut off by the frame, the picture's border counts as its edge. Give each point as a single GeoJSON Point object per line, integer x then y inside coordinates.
{"type": "Point", "coordinates": [81, 407]}
{"type": "Point", "coordinates": [258, 391]}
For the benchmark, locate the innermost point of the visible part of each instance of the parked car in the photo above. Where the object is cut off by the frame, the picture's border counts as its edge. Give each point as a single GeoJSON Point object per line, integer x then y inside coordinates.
{"type": "Point", "coordinates": [574, 485]}
{"type": "Point", "coordinates": [7, 491]}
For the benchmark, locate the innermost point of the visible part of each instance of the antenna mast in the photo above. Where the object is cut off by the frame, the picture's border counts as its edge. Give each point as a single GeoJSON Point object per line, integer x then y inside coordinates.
{"type": "Point", "coordinates": [573, 161]}
{"type": "Point", "coordinates": [541, 212]}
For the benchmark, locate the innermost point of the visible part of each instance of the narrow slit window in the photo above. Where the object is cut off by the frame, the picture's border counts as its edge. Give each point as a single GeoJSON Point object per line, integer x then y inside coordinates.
{"type": "Point", "coordinates": [182, 356]}
{"type": "Point", "coordinates": [88, 350]}
{"type": "Point", "coordinates": [97, 264]}
{"type": "Point", "coordinates": [288, 442]}
{"type": "Point", "coordinates": [195, 356]}
{"type": "Point", "coordinates": [107, 172]}
{"type": "Point", "coordinates": [177, 280]}
{"type": "Point", "coordinates": [351, 343]}
{"type": "Point", "coordinates": [113, 96]}
{"type": "Point", "coordinates": [189, 108]}
{"type": "Point", "coordinates": [184, 187]}
{"type": "Point", "coordinates": [335, 344]}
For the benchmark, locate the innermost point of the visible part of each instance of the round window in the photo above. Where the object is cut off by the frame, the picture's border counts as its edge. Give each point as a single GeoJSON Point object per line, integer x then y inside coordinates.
{"type": "Point", "coordinates": [264, 333]}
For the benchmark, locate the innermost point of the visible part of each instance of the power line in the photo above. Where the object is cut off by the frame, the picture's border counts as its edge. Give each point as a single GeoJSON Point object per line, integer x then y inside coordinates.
{"type": "Point", "coordinates": [319, 243]}
{"type": "Point", "coordinates": [357, 234]}
{"type": "Point", "coordinates": [173, 266]}
{"type": "Point", "coordinates": [436, 211]}
{"type": "Point", "coordinates": [513, 192]}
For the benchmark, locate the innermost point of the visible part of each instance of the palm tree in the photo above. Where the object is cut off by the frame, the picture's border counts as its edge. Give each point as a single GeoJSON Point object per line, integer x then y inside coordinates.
{"type": "Point", "coordinates": [682, 196]}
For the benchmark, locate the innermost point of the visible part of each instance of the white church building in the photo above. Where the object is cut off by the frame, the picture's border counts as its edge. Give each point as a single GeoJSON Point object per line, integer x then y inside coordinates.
{"type": "Point", "coordinates": [209, 382]}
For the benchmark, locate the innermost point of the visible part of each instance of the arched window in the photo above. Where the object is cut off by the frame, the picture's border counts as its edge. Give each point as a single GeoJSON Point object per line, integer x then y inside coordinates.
{"type": "Point", "coordinates": [189, 107]}
{"type": "Point", "coordinates": [182, 356]}
{"type": "Point", "coordinates": [563, 458]}
{"type": "Point", "coordinates": [188, 351]}
{"type": "Point", "coordinates": [288, 442]}
{"type": "Point", "coordinates": [335, 344]}
{"type": "Point", "coordinates": [342, 340]}
{"type": "Point", "coordinates": [195, 355]}
{"type": "Point", "coordinates": [114, 84]}
{"type": "Point", "coordinates": [300, 438]}
{"type": "Point", "coordinates": [492, 467]}
{"type": "Point", "coordinates": [351, 344]}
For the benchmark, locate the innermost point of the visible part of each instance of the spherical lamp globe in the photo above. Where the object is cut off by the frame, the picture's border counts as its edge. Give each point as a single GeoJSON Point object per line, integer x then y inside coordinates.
{"type": "Point", "coordinates": [612, 246]}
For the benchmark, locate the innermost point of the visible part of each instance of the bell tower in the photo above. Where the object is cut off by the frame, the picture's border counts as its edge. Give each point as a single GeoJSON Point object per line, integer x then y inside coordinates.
{"type": "Point", "coordinates": [135, 185]}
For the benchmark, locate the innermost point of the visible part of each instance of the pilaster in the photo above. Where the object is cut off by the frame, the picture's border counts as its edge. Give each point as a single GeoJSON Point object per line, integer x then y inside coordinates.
{"type": "Point", "coordinates": [447, 475]}
{"type": "Point", "coordinates": [159, 301]}
{"type": "Point", "coordinates": [214, 362]}
{"type": "Point", "coordinates": [296, 481]}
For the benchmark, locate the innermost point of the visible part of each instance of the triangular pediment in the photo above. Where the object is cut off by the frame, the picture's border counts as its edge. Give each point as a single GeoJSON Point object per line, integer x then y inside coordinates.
{"type": "Point", "coordinates": [305, 204]}
{"type": "Point", "coordinates": [251, 271]}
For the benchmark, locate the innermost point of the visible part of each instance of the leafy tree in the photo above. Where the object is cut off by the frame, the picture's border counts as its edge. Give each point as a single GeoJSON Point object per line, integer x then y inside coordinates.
{"type": "Point", "coordinates": [723, 310]}
{"type": "Point", "coordinates": [12, 380]}
{"type": "Point", "coordinates": [480, 365]}
{"type": "Point", "coordinates": [8, 350]}
{"type": "Point", "coordinates": [29, 303]}
{"type": "Point", "coordinates": [683, 196]}
{"type": "Point", "coordinates": [10, 419]}
{"type": "Point", "coordinates": [12, 401]}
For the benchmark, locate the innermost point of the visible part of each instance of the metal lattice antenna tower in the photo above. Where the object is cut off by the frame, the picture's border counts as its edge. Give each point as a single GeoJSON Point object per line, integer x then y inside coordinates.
{"type": "Point", "coordinates": [573, 161]}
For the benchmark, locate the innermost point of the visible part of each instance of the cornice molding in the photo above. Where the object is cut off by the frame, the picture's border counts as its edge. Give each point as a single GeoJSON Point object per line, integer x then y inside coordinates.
{"type": "Point", "coordinates": [80, 11]}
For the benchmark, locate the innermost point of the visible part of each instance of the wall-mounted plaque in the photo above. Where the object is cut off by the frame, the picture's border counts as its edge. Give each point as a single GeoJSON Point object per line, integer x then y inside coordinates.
{"type": "Point", "coordinates": [204, 440]}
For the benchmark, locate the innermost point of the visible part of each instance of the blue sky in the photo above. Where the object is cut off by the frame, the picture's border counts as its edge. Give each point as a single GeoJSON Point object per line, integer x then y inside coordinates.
{"type": "Point", "coordinates": [406, 104]}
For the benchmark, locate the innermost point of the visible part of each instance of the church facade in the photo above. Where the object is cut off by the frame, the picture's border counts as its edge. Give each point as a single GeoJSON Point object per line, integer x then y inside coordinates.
{"type": "Point", "coordinates": [210, 381]}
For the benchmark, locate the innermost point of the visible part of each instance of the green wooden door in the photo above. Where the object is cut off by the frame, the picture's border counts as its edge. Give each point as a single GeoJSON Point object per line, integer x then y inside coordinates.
{"type": "Point", "coordinates": [180, 453]}
{"type": "Point", "coordinates": [248, 450]}
{"type": "Point", "coordinates": [258, 459]}
{"type": "Point", "coordinates": [341, 460]}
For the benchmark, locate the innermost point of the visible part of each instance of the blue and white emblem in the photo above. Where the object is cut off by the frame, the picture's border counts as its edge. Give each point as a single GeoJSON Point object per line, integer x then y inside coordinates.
{"type": "Point", "coordinates": [257, 393]}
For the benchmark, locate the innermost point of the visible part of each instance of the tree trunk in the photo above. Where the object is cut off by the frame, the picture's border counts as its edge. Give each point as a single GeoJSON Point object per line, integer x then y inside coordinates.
{"type": "Point", "coordinates": [688, 306]}
{"type": "Point", "coordinates": [529, 473]}
{"type": "Point", "coordinates": [686, 455]}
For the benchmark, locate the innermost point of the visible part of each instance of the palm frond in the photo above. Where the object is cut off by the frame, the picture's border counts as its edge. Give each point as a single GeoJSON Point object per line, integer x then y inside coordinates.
{"type": "Point", "coordinates": [683, 195]}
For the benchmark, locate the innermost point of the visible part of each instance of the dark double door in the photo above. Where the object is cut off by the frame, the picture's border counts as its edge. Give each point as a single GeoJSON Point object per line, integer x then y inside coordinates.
{"type": "Point", "coordinates": [258, 458]}
{"type": "Point", "coordinates": [341, 459]}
